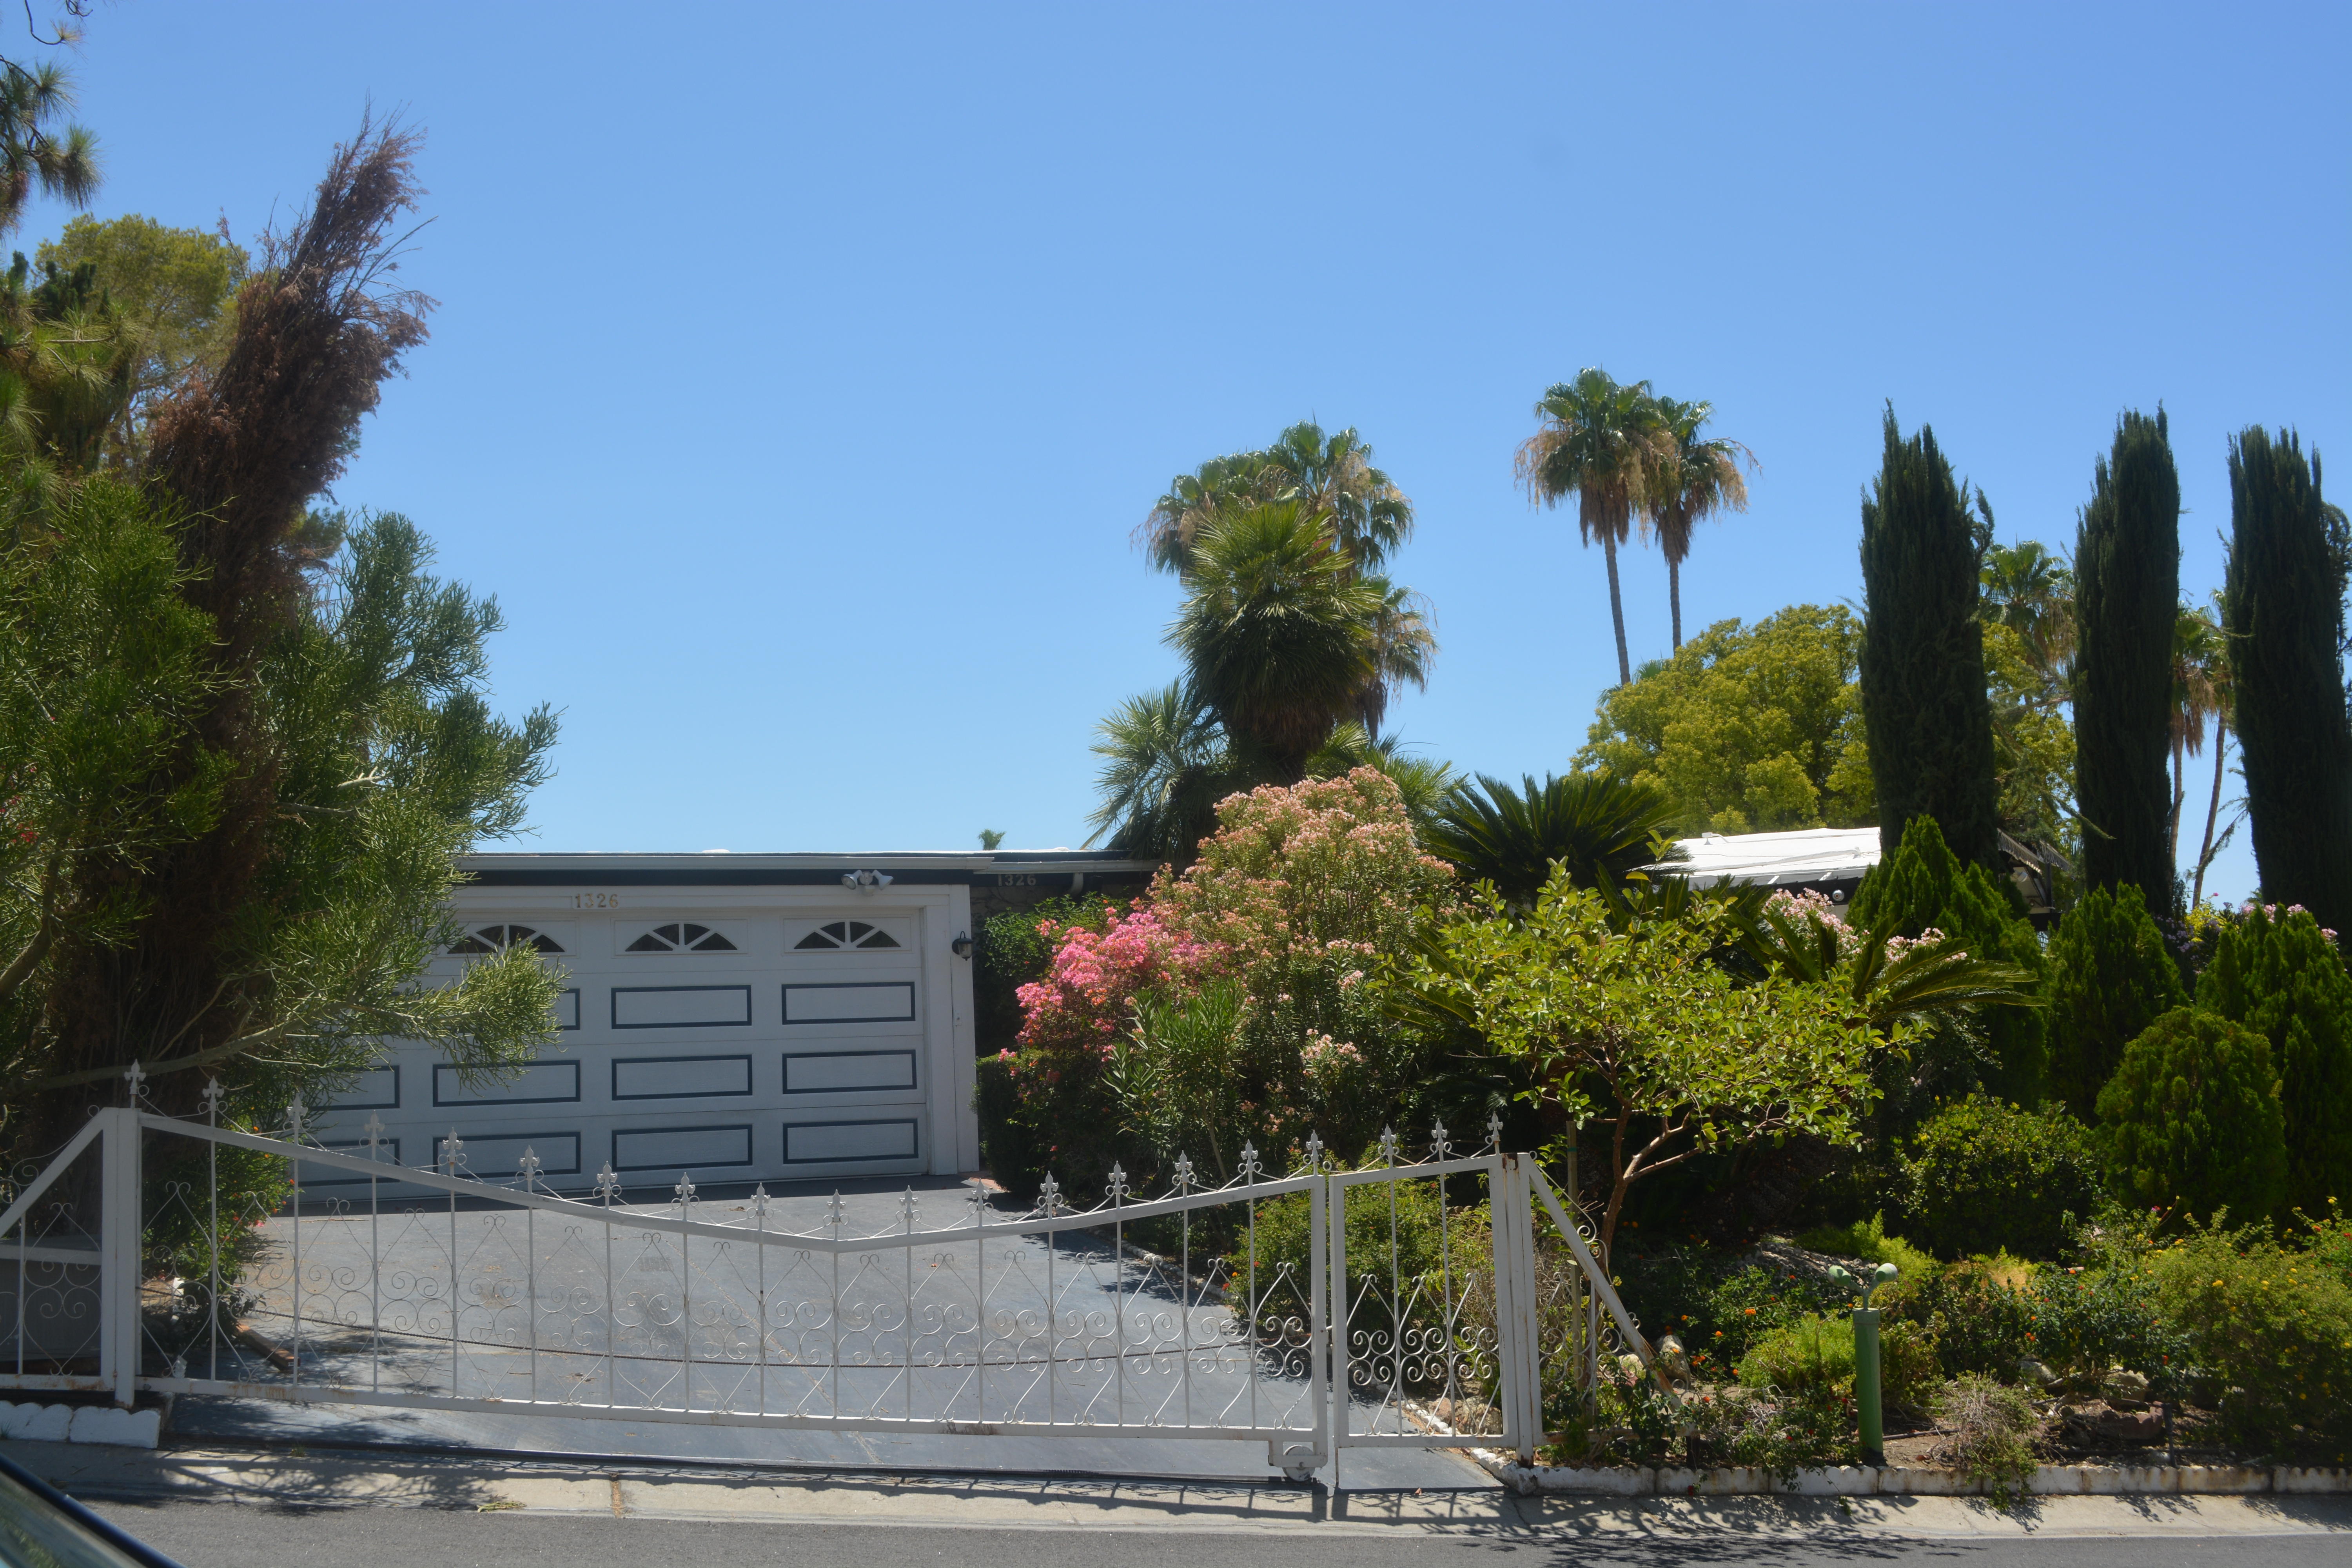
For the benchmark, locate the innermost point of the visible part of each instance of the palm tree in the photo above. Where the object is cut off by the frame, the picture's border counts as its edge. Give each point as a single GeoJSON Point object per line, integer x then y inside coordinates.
{"type": "Point", "coordinates": [1599, 826]}
{"type": "Point", "coordinates": [2196, 661]}
{"type": "Point", "coordinates": [1333, 478]}
{"type": "Point", "coordinates": [1165, 766]}
{"type": "Point", "coordinates": [1603, 444]}
{"type": "Point", "coordinates": [1281, 637]}
{"type": "Point", "coordinates": [2212, 684]}
{"type": "Point", "coordinates": [1196, 500]}
{"type": "Point", "coordinates": [1426, 786]}
{"type": "Point", "coordinates": [2031, 590]}
{"type": "Point", "coordinates": [1404, 645]}
{"type": "Point", "coordinates": [1700, 478]}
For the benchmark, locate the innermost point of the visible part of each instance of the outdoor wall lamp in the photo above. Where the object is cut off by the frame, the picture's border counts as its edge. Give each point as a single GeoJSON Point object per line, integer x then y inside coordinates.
{"type": "Point", "coordinates": [962, 946]}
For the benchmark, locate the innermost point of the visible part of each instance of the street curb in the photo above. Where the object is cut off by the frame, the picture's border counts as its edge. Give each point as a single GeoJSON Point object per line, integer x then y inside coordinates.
{"type": "Point", "coordinates": [1863, 1480]}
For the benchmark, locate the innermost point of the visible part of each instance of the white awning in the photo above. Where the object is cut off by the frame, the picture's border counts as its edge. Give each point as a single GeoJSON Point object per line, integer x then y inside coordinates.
{"type": "Point", "coordinates": [1774, 859]}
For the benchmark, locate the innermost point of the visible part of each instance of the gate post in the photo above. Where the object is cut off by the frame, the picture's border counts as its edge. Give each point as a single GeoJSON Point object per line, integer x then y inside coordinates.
{"type": "Point", "coordinates": [1512, 1216]}
{"type": "Point", "coordinates": [118, 1276]}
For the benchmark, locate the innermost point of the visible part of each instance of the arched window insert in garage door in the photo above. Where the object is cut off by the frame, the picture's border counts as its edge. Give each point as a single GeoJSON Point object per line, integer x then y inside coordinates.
{"type": "Point", "coordinates": [495, 939]}
{"type": "Point", "coordinates": [847, 933]}
{"type": "Point", "coordinates": [681, 938]}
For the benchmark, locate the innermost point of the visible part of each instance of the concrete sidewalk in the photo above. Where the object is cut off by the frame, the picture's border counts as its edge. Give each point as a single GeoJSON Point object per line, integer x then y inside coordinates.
{"type": "Point", "coordinates": [304, 1480]}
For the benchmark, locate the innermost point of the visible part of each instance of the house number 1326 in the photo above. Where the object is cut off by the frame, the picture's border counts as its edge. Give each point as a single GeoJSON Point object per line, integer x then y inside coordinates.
{"type": "Point", "coordinates": [595, 900]}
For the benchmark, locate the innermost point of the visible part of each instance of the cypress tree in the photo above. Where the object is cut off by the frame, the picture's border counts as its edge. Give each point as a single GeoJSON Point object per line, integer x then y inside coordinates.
{"type": "Point", "coordinates": [2285, 609]}
{"type": "Point", "coordinates": [2191, 1120]}
{"type": "Point", "coordinates": [2110, 978]}
{"type": "Point", "coordinates": [2127, 593]}
{"type": "Point", "coordinates": [2279, 976]}
{"type": "Point", "coordinates": [1923, 668]}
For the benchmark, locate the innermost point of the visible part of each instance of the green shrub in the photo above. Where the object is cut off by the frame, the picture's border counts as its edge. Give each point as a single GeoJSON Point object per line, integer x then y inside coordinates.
{"type": "Point", "coordinates": [1868, 1240]}
{"type": "Point", "coordinates": [2191, 1120]}
{"type": "Point", "coordinates": [1750, 1304]}
{"type": "Point", "coordinates": [2110, 978]}
{"type": "Point", "coordinates": [2084, 1320]}
{"type": "Point", "coordinates": [2278, 974]}
{"type": "Point", "coordinates": [2269, 1327]}
{"type": "Point", "coordinates": [1009, 1146]}
{"type": "Point", "coordinates": [1980, 1321]}
{"type": "Point", "coordinates": [1984, 1176]}
{"type": "Point", "coordinates": [1991, 1426]}
{"type": "Point", "coordinates": [1815, 1355]}
{"type": "Point", "coordinates": [1287, 1221]}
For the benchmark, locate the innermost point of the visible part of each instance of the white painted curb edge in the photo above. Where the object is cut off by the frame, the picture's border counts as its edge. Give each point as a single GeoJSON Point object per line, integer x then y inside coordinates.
{"type": "Point", "coordinates": [1861, 1481]}
{"type": "Point", "coordinates": [81, 1423]}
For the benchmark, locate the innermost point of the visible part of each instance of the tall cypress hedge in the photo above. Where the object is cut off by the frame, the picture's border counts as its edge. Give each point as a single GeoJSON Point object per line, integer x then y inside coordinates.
{"type": "Point", "coordinates": [1922, 668]}
{"type": "Point", "coordinates": [2110, 978]}
{"type": "Point", "coordinates": [2284, 610]}
{"type": "Point", "coordinates": [2127, 593]}
{"type": "Point", "coordinates": [2277, 974]}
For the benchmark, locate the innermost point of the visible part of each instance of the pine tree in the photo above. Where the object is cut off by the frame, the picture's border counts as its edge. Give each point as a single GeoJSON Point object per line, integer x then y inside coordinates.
{"type": "Point", "coordinates": [2289, 552]}
{"type": "Point", "coordinates": [1921, 887]}
{"type": "Point", "coordinates": [1923, 664]}
{"type": "Point", "coordinates": [2280, 976]}
{"type": "Point", "coordinates": [2127, 599]}
{"type": "Point", "coordinates": [2191, 1120]}
{"type": "Point", "coordinates": [2110, 978]}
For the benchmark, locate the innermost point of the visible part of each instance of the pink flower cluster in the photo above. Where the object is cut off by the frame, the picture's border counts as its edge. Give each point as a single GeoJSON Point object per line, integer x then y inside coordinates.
{"type": "Point", "coordinates": [2274, 913]}
{"type": "Point", "coordinates": [1807, 905]}
{"type": "Point", "coordinates": [1324, 1057]}
{"type": "Point", "coordinates": [1084, 998]}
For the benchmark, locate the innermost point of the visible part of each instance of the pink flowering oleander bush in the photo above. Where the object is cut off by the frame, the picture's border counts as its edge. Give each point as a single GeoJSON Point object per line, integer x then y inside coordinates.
{"type": "Point", "coordinates": [1092, 977]}
{"type": "Point", "coordinates": [1807, 904]}
{"type": "Point", "coordinates": [1300, 898]}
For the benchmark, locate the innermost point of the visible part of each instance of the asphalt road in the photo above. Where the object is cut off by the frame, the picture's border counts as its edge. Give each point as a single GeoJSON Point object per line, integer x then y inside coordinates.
{"type": "Point", "coordinates": [218, 1535]}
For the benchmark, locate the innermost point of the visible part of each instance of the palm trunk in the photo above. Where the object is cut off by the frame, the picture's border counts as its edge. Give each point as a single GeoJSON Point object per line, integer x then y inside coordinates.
{"type": "Point", "coordinates": [1674, 597]}
{"type": "Point", "coordinates": [2212, 809]}
{"type": "Point", "coordinates": [1617, 608]}
{"type": "Point", "coordinates": [2179, 795]}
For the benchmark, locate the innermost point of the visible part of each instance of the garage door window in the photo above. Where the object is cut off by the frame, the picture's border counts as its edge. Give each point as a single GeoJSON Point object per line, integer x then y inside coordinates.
{"type": "Point", "coordinates": [847, 933]}
{"type": "Point", "coordinates": [495, 939]}
{"type": "Point", "coordinates": [681, 938]}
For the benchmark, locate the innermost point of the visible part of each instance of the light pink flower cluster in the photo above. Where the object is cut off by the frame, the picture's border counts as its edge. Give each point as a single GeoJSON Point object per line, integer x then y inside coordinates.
{"type": "Point", "coordinates": [2274, 913]}
{"type": "Point", "coordinates": [1084, 998]}
{"type": "Point", "coordinates": [1324, 1057]}
{"type": "Point", "coordinates": [1807, 905]}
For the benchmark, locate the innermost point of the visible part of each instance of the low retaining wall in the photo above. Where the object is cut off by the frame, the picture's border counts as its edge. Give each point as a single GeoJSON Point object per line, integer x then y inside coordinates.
{"type": "Point", "coordinates": [1862, 1480]}
{"type": "Point", "coordinates": [81, 1423]}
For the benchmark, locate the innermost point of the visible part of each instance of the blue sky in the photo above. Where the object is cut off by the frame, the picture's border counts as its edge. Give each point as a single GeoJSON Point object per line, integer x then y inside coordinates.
{"type": "Point", "coordinates": [800, 372]}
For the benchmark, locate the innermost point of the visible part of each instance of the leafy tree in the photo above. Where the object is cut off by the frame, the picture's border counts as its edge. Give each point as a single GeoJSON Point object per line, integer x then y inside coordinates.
{"type": "Point", "coordinates": [1699, 479]}
{"type": "Point", "coordinates": [2034, 745]}
{"type": "Point", "coordinates": [2289, 556]}
{"type": "Point", "coordinates": [2279, 975]}
{"type": "Point", "coordinates": [1634, 1022]}
{"type": "Point", "coordinates": [2126, 597]}
{"type": "Point", "coordinates": [173, 290]}
{"type": "Point", "coordinates": [1923, 887]}
{"type": "Point", "coordinates": [1278, 635]}
{"type": "Point", "coordinates": [1747, 728]}
{"type": "Point", "coordinates": [2110, 977]}
{"type": "Point", "coordinates": [1596, 826]}
{"type": "Point", "coordinates": [1923, 665]}
{"type": "Point", "coordinates": [1603, 444]}
{"type": "Point", "coordinates": [275, 945]}
{"type": "Point", "coordinates": [2191, 1120]}
{"type": "Point", "coordinates": [103, 667]}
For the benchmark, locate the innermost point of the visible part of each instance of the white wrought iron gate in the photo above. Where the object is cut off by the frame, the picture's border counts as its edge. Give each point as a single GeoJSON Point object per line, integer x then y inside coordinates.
{"type": "Point", "coordinates": [1250, 1308]}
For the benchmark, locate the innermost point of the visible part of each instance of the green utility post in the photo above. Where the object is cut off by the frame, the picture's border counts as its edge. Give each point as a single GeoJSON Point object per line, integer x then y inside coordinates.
{"type": "Point", "coordinates": [1869, 1407]}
